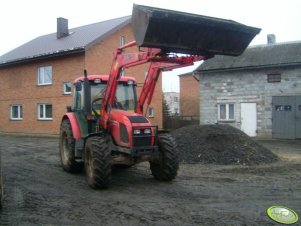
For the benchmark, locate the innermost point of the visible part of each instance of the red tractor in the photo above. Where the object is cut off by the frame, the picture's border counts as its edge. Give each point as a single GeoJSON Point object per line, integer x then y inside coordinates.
{"type": "Point", "coordinates": [107, 125]}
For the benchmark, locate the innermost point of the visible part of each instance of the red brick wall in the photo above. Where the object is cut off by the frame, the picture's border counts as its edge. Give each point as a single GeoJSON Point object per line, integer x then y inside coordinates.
{"type": "Point", "coordinates": [189, 96]}
{"type": "Point", "coordinates": [19, 86]}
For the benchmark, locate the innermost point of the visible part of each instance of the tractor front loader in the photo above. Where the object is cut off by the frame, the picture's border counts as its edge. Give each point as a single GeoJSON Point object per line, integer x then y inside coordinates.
{"type": "Point", "coordinates": [107, 125]}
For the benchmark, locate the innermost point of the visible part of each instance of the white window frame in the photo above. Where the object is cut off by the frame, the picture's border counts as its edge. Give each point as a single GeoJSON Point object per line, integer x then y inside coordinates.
{"type": "Point", "coordinates": [41, 75]}
{"type": "Point", "coordinates": [227, 119]}
{"type": "Point", "coordinates": [122, 40]}
{"type": "Point", "coordinates": [65, 87]}
{"type": "Point", "coordinates": [44, 112]}
{"type": "Point", "coordinates": [20, 112]}
{"type": "Point", "coordinates": [151, 112]}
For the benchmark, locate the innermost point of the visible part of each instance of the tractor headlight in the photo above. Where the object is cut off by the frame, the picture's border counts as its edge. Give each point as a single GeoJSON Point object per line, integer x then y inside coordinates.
{"type": "Point", "coordinates": [147, 131]}
{"type": "Point", "coordinates": [137, 131]}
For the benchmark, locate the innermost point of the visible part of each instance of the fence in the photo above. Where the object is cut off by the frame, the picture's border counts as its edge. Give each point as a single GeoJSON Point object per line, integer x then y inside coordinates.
{"type": "Point", "coordinates": [175, 122]}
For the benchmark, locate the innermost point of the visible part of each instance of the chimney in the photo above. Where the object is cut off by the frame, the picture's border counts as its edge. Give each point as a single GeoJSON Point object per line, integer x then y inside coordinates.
{"type": "Point", "coordinates": [62, 28]}
{"type": "Point", "coordinates": [271, 39]}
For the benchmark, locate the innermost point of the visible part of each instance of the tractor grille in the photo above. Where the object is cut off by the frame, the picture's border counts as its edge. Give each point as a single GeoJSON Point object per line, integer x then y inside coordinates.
{"type": "Point", "coordinates": [142, 141]}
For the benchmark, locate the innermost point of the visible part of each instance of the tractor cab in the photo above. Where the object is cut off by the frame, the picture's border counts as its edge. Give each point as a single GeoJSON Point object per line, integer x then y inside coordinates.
{"type": "Point", "coordinates": [126, 99]}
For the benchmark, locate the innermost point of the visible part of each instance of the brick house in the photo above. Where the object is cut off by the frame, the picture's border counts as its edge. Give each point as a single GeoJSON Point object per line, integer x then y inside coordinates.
{"type": "Point", "coordinates": [36, 77]}
{"type": "Point", "coordinates": [189, 95]}
{"type": "Point", "coordinates": [258, 92]}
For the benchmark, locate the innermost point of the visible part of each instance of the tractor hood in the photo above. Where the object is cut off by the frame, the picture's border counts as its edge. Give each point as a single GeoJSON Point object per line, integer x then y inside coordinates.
{"type": "Point", "coordinates": [127, 117]}
{"type": "Point", "coordinates": [179, 32]}
{"type": "Point", "coordinates": [123, 124]}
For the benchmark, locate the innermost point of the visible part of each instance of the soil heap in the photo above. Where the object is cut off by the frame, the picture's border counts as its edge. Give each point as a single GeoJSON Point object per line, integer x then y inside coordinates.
{"type": "Point", "coordinates": [220, 144]}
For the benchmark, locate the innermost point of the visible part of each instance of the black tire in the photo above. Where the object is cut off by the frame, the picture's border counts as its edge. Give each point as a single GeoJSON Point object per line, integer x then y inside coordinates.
{"type": "Point", "coordinates": [121, 166]}
{"type": "Point", "coordinates": [98, 162]}
{"type": "Point", "coordinates": [166, 168]}
{"type": "Point", "coordinates": [67, 149]}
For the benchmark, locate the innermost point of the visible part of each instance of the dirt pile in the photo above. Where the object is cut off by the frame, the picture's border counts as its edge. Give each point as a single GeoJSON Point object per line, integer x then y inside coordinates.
{"type": "Point", "coordinates": [220, 144]}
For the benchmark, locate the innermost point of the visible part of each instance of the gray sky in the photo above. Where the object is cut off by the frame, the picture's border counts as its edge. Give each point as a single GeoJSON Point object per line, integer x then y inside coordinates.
{"type": "Point", "coordinates": [24, 20]}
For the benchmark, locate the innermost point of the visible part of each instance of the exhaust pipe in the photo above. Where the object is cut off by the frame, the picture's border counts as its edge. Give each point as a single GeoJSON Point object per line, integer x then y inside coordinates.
{"type": "Point", "coordinates": [87, 94]}
{"type": "Point", "coordinates": [180, 32]}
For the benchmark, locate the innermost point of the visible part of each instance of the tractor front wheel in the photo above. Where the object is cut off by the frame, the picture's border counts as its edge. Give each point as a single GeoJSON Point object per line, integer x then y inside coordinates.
{"type": "Point", "coordinates": [98, 162]}
{"type": "Point", "coordinates": [67, 149]}
{"type": "Point", "coordinates": [166, 168]}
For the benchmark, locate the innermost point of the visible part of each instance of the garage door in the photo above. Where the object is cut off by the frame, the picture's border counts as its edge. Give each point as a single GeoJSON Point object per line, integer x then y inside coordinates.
{"type": "Point", "coordinates": [286, 116]}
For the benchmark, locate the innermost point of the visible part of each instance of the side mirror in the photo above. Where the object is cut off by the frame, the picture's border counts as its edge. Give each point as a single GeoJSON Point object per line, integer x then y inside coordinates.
{"type": "Point", "coordinates": [78, 86]}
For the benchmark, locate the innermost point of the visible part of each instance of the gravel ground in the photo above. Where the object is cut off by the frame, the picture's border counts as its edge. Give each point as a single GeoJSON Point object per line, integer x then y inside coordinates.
{"type": "Point", "coordinates": [39, 192]}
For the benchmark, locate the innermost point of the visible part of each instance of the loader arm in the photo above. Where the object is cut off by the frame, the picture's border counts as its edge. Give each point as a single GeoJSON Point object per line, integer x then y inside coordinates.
{"type": "Point", "coordinates": [159, 62]}
{"type": "Point", "coordinates": [160, 32]}
{"type": "Point", "coordinates": [122, 60]}
{"type": "Point", "coordinates": [158, 65]}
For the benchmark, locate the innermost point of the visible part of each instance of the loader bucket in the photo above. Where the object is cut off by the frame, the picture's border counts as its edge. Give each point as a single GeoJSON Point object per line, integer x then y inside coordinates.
{"type": "Point", "coordinates": [179, 32]}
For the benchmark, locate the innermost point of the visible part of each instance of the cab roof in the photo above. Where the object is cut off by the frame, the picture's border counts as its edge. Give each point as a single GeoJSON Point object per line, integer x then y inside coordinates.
{"type": "Point", "coordinates": [105, 78]}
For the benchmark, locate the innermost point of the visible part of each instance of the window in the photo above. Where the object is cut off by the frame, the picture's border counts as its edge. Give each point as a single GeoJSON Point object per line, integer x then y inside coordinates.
{"type": "Point", "coordinates": [67, 88]}
{"type": "Point", "coordinates": [279, 107]}
{"type": "Point", "coordinates": [16, 112]}
{"type": "Point", "coordinates": [176, 99]}
{"type": "Point", "coordinates": [274, 78]}
{"type": "Point", "coordinates": [78, 100]}
{"type": "Point", "coordinates": [44, 111]}
{"type": "Point", "coordinates": [283, 108]}
{"type": "Point", "coordinates": [121, 40]}
{"type": "Point", "coordinates": [125, 97]}
{"type": "Point", "coordinates": [288, 108]}
{"type": "Point", "coordinates": [44, 75]}
{"type": "Point", "coordinates": [226, 112]}
{"type": "Point", "coordinates": [176, 111]}
{"type": "Point", "coordinates": [151, 113]}
{"type": "Point", "coordinates": [122, 73]}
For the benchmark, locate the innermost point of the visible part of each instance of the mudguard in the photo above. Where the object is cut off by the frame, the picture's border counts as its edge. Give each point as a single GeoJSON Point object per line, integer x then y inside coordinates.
{"type": "Point", "coordinates": [74, 125]}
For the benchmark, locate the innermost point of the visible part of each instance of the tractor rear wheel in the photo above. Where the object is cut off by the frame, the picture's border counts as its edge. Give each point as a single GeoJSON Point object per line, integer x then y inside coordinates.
{"type": "Point", "coordinates": [98, 162]}
{"type": "Point", "coordinates": [67, 149]}
{"type": "Point", "coordinates": [166, 168]}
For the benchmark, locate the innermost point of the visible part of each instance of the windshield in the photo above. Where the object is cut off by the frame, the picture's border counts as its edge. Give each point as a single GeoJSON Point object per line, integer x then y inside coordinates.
{"type": "Point", "coordinates": [125, 96]}
{"type": "Point", "coordinates": [97, 91]}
